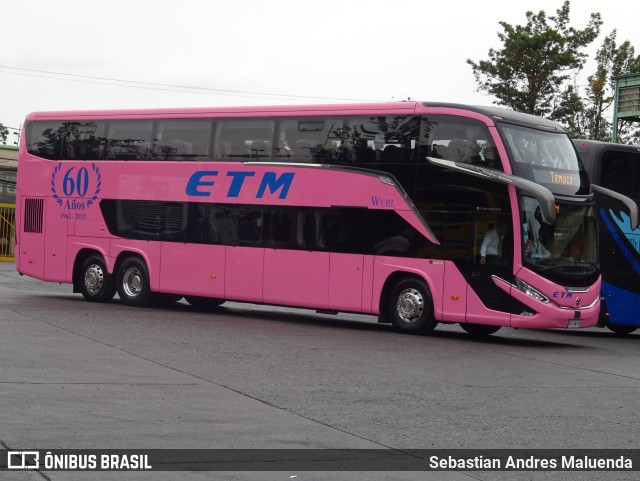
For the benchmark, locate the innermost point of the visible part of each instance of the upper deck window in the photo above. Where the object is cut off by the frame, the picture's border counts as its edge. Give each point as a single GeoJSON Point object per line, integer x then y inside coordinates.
{"type": "Point", "coordinates": [182, 139]}
{"type": "Point", "coordinates": [380, 140]}
{"type": "Point", "coordinates": [67, 140]}
{"type": "Point", "coordinates": [310, 140]}
{"type": "Point", "coordinates": [243, 139]}
{"type": "Point", "coordinates": [129, 139]}
{"type": "Point", "coordinates": [459, 139]}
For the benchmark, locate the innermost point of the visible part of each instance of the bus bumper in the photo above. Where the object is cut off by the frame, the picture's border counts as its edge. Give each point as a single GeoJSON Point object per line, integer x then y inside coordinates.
{"type": "Point", "coordinates": [556, 317]}
{"type": "Point", "coordinates": [548, 315]}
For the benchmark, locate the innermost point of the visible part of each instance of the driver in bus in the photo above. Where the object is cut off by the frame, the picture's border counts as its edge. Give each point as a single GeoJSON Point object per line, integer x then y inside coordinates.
{"type": "Point", "coordinates": [491, 250]}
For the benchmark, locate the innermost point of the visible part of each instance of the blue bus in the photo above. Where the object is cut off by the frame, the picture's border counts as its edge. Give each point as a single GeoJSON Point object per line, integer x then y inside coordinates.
{"type": "Point", "coordinates": [616, 167]}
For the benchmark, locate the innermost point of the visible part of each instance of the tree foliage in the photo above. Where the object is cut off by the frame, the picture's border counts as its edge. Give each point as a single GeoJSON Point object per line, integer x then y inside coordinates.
{"type": "Point", "coordinates": [612, 60]}
{"type": "Point", "coordinates": [4, 133]}
{"type": "Point", "coordinates": [533, 71]}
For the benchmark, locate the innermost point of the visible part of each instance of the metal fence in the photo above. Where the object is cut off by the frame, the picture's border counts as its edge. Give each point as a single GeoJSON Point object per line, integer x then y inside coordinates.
{"type": "Point", "coordinates": [7, 232]}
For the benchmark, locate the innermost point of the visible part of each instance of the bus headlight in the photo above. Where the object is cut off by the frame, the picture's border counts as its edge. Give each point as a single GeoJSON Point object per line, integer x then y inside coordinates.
{"type": "Point", "coordinates": [530, 291]}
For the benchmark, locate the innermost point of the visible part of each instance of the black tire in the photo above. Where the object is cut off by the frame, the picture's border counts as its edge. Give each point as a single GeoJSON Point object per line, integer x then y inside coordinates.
{"type": "Point", "coordinates": [133, 283]}
{"type": "Point", "coordinates": [204, 302]}
{"type": "Point", "coordinates": [95, 282]}
{"type": "Point", "coordinates": [621, 329]}
{"type": "Point", "coordinates": [162, 299]}
{"type": "Point", "coordinates": [410, 307]}
{"type": "Point", "coordinates": [480, 330]}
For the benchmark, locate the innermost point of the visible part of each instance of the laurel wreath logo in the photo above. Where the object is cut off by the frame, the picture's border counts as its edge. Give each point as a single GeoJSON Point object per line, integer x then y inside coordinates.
{"type": "Point", "coordinates": [92, 199]}
{"type": "Point", "coordinates": [96, 170]}
{"type": "Point", "coordinates": [53, 184]}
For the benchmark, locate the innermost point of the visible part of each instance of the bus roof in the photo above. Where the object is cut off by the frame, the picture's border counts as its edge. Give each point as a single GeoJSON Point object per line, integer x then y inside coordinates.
{"type": "Point", "coordinates": [405, 108]}
{"type": "Point", "coordinates": [598, 145]}
{"type": "Point", "coordinates": [501, 114]}
{"type": "Point", "coordinates": [204, 112]}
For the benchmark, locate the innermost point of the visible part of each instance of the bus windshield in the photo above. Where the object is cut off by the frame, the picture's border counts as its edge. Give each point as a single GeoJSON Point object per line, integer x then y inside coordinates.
{"type": "Point", "coordinates": [562, 251]}
{"type": "Point", "coordinates": [547, 158]}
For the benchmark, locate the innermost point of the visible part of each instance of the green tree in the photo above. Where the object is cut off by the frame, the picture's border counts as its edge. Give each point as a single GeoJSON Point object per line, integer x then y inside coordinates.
{"type": "Point", "coordinates": [4, 133]}
{"type": "Point", "coordinates": [533, 71]}
{"type": "Point", "coordinates": [612, 60]}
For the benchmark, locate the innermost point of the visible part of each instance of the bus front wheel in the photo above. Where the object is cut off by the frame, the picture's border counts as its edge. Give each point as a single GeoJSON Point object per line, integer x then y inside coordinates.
{"type": "Point", "coordinates": [96, 284]}
{"type": "Point", "coordinates": [133, 282]}
{"type": "Point", "coordinates": [410, 307]}
{"type": "Point", "coordinates": [480, 330]}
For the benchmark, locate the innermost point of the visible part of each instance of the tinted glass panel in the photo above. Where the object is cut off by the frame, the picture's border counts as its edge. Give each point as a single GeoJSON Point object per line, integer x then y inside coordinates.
{"type": "Point", "coordinates": [239, 224]}
{"type": "Point", "coordinates": [388, 234]}
{"type": "Point", "coordinates": [88, 142]}
{"type": "Point", "coordinates": [129, 139]}
{"type": "Point", "coordinates": [344, 230]}
{"type": "Point", "coordinates": [336, 229]}
{"type": "Point", "coordinates": [149, 220]}
{"type": "Point", "coordinates": [182, 139]}
{"type": "Point", "coordinates": [316, 140]}
{"type": "Point", "coordinates": [243, 139]}
{"type": "Point", "coordinates": [459, 139]}
{"type": "Point", "coordinates": [382, 139]}
{"type": "Point", "coordinates": [547, 158]}
{"type": "Point", "coordinates": [43, 139]}
{"type": "Point", "coordinates": [202, 224]}
{"type": "Point", "coordinates": [618, 172]}
{"type": "Point", "coordinates": [293, 228]}
{"type": "Point", "coordinates": [66, 140]}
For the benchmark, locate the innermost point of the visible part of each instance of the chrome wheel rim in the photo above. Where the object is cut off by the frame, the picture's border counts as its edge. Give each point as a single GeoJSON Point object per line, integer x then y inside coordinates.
{"type": "Point", "coordinates": [410, 305]}
{"type": "Point", "coordinates": [132, 282]}
{"type": "Point", "coordinates": [94, 279]}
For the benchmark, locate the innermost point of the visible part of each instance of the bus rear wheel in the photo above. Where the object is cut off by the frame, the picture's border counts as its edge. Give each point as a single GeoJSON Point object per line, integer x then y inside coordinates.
{"type": "Point", "coordinates": [621, 328]}
{"type": "Point", "coordinates": [133, 283]}
{"type": "Point", "coordinates": [96, 284]}
{"type": "Point", "coordinates": [162, 299]}
{"type": "Point", "coordinates": [480, 330]}
{"type": "Point", "coordinates": [410, 307]}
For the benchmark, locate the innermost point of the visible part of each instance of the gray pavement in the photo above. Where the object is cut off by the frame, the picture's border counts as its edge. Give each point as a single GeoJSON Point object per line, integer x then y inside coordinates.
{"type": "Point", "coordinates": [75, 374]}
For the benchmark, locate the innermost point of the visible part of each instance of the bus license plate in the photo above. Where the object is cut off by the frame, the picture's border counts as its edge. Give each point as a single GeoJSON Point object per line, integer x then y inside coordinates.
{"type": "Point", "coordinates": [574, 323]}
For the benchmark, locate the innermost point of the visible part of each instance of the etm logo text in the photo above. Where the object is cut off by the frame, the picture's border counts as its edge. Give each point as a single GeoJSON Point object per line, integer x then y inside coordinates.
{"type": "Point", "coordinates": [202, 183]}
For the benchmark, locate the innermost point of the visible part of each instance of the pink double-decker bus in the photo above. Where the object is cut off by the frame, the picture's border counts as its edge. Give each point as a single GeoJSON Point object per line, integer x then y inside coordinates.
{"type": "Point", "coordinates": [418, 213]}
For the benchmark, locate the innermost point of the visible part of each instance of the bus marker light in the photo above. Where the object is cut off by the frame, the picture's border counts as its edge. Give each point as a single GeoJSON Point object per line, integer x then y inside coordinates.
{"type": "Point", "coordinates": [455, 298]}
{"type": "Point", "coordinates": [213, 276]}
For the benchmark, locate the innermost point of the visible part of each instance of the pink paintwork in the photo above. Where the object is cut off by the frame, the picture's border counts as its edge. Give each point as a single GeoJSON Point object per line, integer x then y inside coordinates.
{"type": "Point", "coordinates": [319, 280]}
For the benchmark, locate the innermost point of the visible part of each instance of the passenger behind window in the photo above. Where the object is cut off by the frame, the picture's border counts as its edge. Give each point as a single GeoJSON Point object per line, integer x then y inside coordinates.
{"type": "Point", "coordinates": [459, 150]}
{"type": "Point", "coordinates": [393, 154]}
{"type": "Point", "coordinates": [182, 148]}
{"type": "Point", "coordinates": [260, 150]}
{"type": "Point", "coordinates": [221, 149]}
{"type": "Point", "coordinates": [302, 151]}
{"type": "Point", "coordinates": [493, 250]}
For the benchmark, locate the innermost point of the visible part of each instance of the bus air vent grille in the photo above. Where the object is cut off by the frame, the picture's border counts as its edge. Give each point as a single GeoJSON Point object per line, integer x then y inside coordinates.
{"type": "Point", "coordinates": [33, 210]}
{"type": "Point", "coordinates": [576, 289]}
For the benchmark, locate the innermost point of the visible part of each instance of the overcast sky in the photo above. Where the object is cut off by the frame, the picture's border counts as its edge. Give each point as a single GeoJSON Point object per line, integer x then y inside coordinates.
{"type": "Point", "coordinates": [248, 52]}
